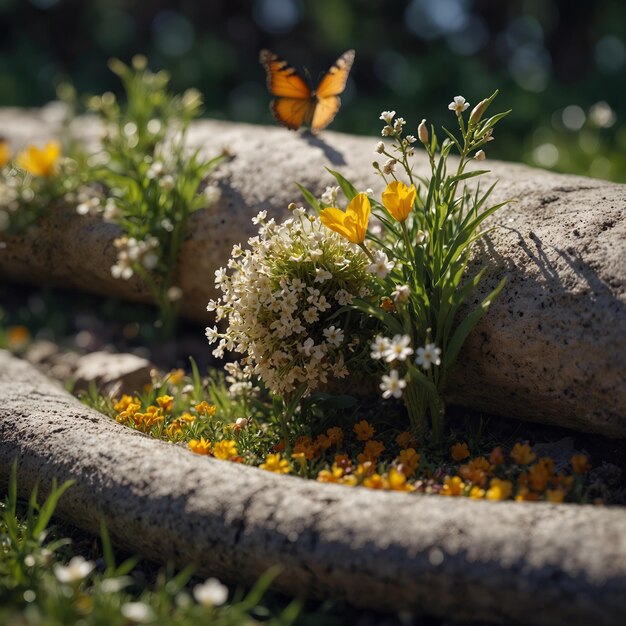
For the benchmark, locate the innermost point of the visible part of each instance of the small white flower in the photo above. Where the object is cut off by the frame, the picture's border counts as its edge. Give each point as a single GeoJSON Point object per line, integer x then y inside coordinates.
{"type": "Point", "coordinates": [379, 347]}
{"type": "Point", "coordinates": [311, 315]}
{"type": "Point", "coordinates": [137, 612]}
{"type": "Point", "coordinates": [480, 155]}
{"type": "Point", "coordinates": [381, 265]}
{"type": "Point", "coordinates": [429, 355]}
{"type": "Point", "coordinates": [458, 105]}
{"type": "Point", "coordinates": [333, 335]}
{"type": "Point", "coordinates": [77, 569]}
{"type": "Point", "coordinates": [330, 196]}
{"type": "Point", "coordinates": [401, 293]}
{"type": "Point", "coordinates": [211, 593]}
{"type": "Point", "coordinates": [399, 349]}
{"type": "Point", "coordinates": [343, 297]}
{"type": "Point", "coordinates": [387, 131]}
{"type": "Point", "coordinates": [387, 116]}
{"type": "Point", "coordinates": [410, 139]}
{"type": "Point", "coordinates": [260, 217]}
{"type": "Point", "coordinates": [392, 385]}
{"type": "Point", "coordinates": [322, 275]}
{"type": "Point", "coordinates": [380, 147]}
{"type": "Point", "coordinates": [398, 124]}
{"type": "Point", "coordinates": [155, 170]}
{"type": "Point", "coordinates": [389, 166]}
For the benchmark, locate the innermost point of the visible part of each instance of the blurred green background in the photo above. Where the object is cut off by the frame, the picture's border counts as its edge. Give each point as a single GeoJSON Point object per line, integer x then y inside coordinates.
{"type": "Point", "coordinates": [560, 64]}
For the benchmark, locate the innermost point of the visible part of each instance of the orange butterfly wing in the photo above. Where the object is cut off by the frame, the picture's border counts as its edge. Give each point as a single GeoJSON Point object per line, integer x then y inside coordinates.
{"type": "Point", "coordinates": [293, 103]}
{"type": "Point", "coordinates": [327, 93]}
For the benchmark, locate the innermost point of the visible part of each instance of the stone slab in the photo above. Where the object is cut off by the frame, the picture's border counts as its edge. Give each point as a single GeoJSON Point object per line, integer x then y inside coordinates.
{"type": "Point", "coordinates": [552, 347]}
{"type": "Point", "coordinates": [492, 562]}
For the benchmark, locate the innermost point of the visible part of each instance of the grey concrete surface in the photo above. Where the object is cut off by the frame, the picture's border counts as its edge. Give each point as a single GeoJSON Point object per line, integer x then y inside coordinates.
{"type": "Point", "coordinates": [552, 347]}
{"type": "Point", "coordinates": [492, 562]}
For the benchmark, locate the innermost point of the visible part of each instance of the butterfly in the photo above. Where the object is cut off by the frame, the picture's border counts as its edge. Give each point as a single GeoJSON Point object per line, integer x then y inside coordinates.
{"type": "Point", "coordinates": [294, 102]}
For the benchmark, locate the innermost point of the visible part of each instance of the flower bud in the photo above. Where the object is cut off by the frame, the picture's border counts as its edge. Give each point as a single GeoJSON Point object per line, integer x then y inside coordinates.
{"type": "Point", "coordinates": [480, 155]}
{"type": "Point", "coordinates": [422, 132]}
{"type": "Point", "coordinates": [291, 206]}
{"type": "Point", "coordinates": [420, 237]}
{"type": "Point", "coordinates": [478, 111]}
{"type": "Point", "coordinates": [380, 147]}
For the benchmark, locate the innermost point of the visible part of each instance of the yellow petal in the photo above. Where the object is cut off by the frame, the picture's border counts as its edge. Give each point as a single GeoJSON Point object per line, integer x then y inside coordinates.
{"type": "Point", "coordinates": [398, 199]}
{"type": "Point", "coordinates": [358, 212]}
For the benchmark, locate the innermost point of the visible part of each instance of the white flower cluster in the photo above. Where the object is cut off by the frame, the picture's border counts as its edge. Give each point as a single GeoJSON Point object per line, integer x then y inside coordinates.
{"type": "Point", "coordinates": [396, 350]}
{"type": "Point", "coordinates": [131, 251]}
{"type": "Point", "coordinates": [279, 296]}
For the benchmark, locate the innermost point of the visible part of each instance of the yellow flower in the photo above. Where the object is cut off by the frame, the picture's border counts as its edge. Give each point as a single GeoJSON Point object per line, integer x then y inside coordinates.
{"type": "Point", "coordinates": [363, 430]}
{"type": "Point", "coordinates": [273, 463]}
{"type": "Point", "coordinates": [398, 199]}
{"type": "Point", "coordinates": [165, 402]}
{"type": "Point", "coordinates": [522, 454]}
{"type": "Point", "coordinates": [204, 408]}
{"type": "Point", "coordinates": [201, 446]}
{"type": "Point", "coordinates": [225, 450]}
{"type": "Point", "coordinates": [375, 481]}
{"type": "Point", "coordinates": [5, 152]}
{"type": "Point", "coordinates": [459, 451]}
{"type": "Point", "coordinates": [396, 481]}
{"type": "Point", "coordinates": [453, 486]}
{"type": "Point", "coordinates": [351, 224]}
{"type": "Point", "coordinates": [334, 475]}
{"type": "Point", "coordinates": [176, 376]}
{"type": "Point", "coordinates": [476, 492]}
{"type": "Point", "coordinates": [555, 495]}
{"type": "Point", "coordinates": [499, 489]}
{"type": "Point", "coordinates": [40, 162]}
{"type": "Point", "coordinates": [124, 402]}
{"type": "Point", "coordinates": [580, 464]}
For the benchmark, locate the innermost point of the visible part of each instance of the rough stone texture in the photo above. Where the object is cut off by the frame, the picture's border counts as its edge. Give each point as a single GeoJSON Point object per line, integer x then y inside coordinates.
{"type": "Point", "coordinates": [492, 562]}
{"type": "Point", "coordinates": [552, 347]}
{"type": "Point", "coordinates": [112, 373]}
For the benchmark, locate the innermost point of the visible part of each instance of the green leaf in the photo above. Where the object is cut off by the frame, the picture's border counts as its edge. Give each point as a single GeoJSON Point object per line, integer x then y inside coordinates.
{"type": "Point", "coordinates": [466, 327]}
{"type": "Point", "coordinates": [347, 187]}
{"type": "Point", "coordinates": [310, 198]}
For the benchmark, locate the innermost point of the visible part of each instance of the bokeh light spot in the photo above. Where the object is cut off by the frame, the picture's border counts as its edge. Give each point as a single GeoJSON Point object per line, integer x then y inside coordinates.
{"type": "Point", "coordinates": [546, 155]}
{"type": "Point", "coordinates": [173, 33]}
{"type": "Point", "coordinates": [610, 54]}
{"type": "Point", "coordinates": [276, 16]}
{"type": "Point", "coordinates": [573, 117]}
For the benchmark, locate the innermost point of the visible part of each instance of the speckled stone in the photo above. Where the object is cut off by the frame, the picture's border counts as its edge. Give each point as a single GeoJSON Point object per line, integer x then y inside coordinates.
{"type": "Point", "coordinates": [508, 563]}
{"type": "Point", "coordinates": [552, 347]}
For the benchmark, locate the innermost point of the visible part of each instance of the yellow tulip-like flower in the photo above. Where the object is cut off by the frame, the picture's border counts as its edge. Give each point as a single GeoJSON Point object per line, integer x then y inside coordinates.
{"type": "Point", "coordinates": [40, 162]}
{"type": "Point", "coordinates": [5, 152]}
{"type": "Point", "coordinates": [351, 224]}
{"type": "Point", "coordinates": [398, 199]}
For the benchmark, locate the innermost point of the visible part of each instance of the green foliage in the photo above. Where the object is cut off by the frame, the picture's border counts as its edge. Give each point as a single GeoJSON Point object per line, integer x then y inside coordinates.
{"type": "Point", "coordinates": [36, 589]}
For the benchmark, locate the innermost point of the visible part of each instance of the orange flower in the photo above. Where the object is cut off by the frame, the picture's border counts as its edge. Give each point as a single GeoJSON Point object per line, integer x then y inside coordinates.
{"type": "Point", "coordinates": [351, 224]}
{"type": "Point", "coordinates": [18, 337]}
{"type": "Point", "coordinates": [555, 495]}
{"type": "Point", "coordinates": [373, 449]}
{"type": "Point", "coordinates": [409, 460]}
{"type": "Point", "coordinates": [363, 430]}
{"type": "Point", "coordinates": [323, 442]}
{"type": "Point", "coordinates": [580, 464]}
{"type": "Point", "coordinates": [398, 199]}
{"type": "Point", "coordinates": [459, 451]}
{"type": "Point", "coordinates": [522, 454]}
{"type": "Point", "coordinates": [40, 162]}
{"type": "Point", "coordinates": [335, 435]}
{"type": "Point", "coordinates": [497, 456]}
{"type": "Point", "coordinates": [404, 439]}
